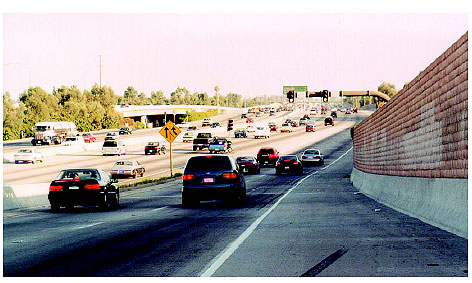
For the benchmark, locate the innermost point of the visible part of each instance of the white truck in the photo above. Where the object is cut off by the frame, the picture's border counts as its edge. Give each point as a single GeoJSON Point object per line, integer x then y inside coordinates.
{"type": "Point", "coordinates": [53, 132]}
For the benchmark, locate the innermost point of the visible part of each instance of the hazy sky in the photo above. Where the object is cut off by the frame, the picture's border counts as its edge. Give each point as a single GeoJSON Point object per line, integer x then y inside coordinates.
{"type": "Point", "coordinates": [249, 54]}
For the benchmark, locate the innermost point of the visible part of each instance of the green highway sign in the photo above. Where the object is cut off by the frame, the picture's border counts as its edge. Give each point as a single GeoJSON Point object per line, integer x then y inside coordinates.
{"type": "Point", "coordinates": [295, 89]}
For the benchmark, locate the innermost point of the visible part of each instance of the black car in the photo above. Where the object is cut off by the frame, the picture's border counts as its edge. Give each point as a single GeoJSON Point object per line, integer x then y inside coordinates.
{"type": "Point", "coordinates": [154, 148]}
{"type": "Point", "coordinates": [215, 125]}
{"type": "Point", "coordinates": [334, 114]}
{"type": "Point", "coordinates": [329, 121]}
{"type": "Point", "coordinates": [248, 164]}
{"type": "Point", "coordinates": [289, 164]}
{"type": "Point", "coordinates": [309, 128]}
{"type": "Point", "coordinates": [212, 177]}
{"type": "Point", "coordinates": [88, 186]}
{"type": "Point", "coordinates": [126, 131]}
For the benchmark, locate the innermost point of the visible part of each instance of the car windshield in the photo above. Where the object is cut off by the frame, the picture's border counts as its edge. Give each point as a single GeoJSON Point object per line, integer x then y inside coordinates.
{"type": "Point", "coordinates": [79, 174]}
{"type": "Point", "coordinates": [218, 141]}
{"type": "Point", "coordinates": [208, 163]}
{"type": "Point", "coordinates": [129, 163]}
{"type": "Point", "coordinates": [260, 128]}
{"type": "Point", "coordinates": [25, 150]}
{"type": "Point", "coordinates": [312, 151]}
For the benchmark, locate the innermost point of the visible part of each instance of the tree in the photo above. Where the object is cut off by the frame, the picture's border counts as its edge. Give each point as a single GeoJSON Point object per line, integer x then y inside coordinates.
{"type": "Point", "coordinates": [387, 88]}
{"type": "Point", "coordinates": [142, 99]}
{"type": "Point", "coordinates": [158, 98]}
{"type": "Point", "coordinates": [130, 95]}
{"type": "Point", "coordinates": [177, 96]}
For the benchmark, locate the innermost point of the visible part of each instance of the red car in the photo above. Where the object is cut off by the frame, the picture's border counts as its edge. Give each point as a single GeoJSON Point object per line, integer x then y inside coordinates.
{"type": "Point", "coordinates": [294, 123]}
{"type": "Point", "coordinates": [273, 127]}
{"type": "Point", "coordinates": [249, 120]}
{"type": "Point", "coordinates": [267, 156]}
{"type": "Point", "coordinates": [88, 137]}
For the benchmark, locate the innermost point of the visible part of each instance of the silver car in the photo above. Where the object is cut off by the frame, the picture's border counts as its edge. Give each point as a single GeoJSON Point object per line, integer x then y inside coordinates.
{"type": "Point", "coordinates": [311, 156]}
{"type": "Point", "coordinates": [126, 168]}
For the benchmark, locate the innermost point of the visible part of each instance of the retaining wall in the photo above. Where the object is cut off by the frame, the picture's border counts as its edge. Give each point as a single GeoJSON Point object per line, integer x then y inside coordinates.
{"type": "Point", "coordinates": [421, 133]}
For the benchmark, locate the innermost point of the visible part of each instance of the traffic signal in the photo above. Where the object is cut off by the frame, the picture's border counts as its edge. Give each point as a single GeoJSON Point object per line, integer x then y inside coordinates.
{"type": "Point", "coordinates": [325, 95]}
{"type": "Point", "coordinates": [230, 124]}
{"type": "Point", "coordinates": [291, 96]}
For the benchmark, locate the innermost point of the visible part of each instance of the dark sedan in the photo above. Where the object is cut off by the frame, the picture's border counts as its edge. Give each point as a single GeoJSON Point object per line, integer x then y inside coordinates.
{"type": "Point", "coordinates": [329, 121]}
{"type": "Point", "coordinates": [288, 164]}
{"type": "Point", "coordinates": [88, 186]}
{"type": "Point", "coordinates": [240, 133]}
{"type": "Point", "coordinates": [248, 164]}
{"type": "Point", "coordinates": [212, 177]}
{"type": "Point", "coordinates": [126, 131]}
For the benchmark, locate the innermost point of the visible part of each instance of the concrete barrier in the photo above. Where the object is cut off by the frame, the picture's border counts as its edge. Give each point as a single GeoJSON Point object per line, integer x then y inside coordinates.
{"type": "Point", "coordinates": [441, 202]}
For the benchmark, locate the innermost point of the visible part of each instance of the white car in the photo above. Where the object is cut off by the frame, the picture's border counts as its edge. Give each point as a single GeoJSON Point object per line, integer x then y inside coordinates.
{"type": "Point", "coordinates": [262, 132]}
{"type": "Point", "coordinates": [286, 127]}
{"type": "Point", "coordinates": [188, 136]}
{"type": "Point", "coordinates": [250, 129]}
{"type": "Point", "coordinates": [112, 136]}
{"type": "Point", "coordinates": [113, 147]}
{"type": "Point", "coordinates": [312, 155]}
{"type": "Point", "coordinates": [77, 140]}
{"type": "Point", "coordinates": [28, 155]}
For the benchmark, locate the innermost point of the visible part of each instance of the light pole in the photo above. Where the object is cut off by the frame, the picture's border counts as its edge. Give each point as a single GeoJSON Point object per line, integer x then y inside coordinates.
{"type": "Point", "coordinates": [217, 88]}
{"type": "Point", "coordinates": [100, 67]}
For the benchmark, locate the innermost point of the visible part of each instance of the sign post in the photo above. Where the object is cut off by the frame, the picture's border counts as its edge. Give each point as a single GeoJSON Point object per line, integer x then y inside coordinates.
{"type": "Point", "coordinates": [170, 132]}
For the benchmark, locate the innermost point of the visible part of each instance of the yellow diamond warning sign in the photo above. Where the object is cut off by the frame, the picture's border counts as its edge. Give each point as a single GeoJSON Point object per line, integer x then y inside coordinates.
{"type": "Point", "coordinates": [170, 131]}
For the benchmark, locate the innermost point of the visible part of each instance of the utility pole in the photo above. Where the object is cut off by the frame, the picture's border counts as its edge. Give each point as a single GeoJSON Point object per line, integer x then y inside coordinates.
{"type": "Point", "coordinates": [100, 63]}
{"type": "Point", "coordinates": [217, 88]}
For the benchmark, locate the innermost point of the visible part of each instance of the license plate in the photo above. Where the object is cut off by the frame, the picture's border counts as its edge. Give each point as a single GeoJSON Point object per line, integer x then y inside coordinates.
{"type": "Point", "coordinates": [208, 180]}
{"type": "Point", "coordinates": [73, 188]}
{"type": "Point", "coordinates": [266, 161]}
{"type": "Point", "coordinates": [286, 167]}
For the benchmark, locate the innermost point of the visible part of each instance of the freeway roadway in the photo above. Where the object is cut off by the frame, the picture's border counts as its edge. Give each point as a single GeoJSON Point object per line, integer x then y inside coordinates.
{"type": "Point", "coordinates": [316, 224]}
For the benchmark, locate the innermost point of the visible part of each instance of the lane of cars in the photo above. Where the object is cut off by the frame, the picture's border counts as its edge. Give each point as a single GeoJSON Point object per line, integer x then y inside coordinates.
{"type": "Point", "coordinates": [244, 165]}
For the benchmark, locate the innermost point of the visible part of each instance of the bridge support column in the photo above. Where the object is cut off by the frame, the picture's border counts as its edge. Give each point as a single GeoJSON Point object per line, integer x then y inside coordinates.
{"type": "Point", "coordinates": [145, 121]}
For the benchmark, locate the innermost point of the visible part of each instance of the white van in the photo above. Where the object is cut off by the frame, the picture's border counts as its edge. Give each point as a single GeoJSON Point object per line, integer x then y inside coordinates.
{"type": "Point", "coordinates": [71, 141]}
{"type": "Point", "coordinates": [262, 131]}
{"type": "Point", "coordinates": [113, 147]}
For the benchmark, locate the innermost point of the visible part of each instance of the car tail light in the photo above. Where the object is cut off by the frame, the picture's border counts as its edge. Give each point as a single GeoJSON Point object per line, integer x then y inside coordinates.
{"type": "Point", "coordinates": [55, 188]}
{"type": "Point", "coordinates": [208, 156]}
{"type": "Point", "coordinates": [187, 177]}
{"type": "Point", "coordinates": [229, 175]}
{"type": "Point", "coordinates": [92, 186]}
{"type": "Point", "coordinates": [278, 162]}
{"type": "Point", "coordinates": [296, 162]}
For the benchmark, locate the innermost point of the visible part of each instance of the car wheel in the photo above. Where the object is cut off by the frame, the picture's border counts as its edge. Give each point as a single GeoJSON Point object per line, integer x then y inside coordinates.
{"type": "Point", "coordinates": [159, 152]}
{"type": "Point", "coordinates": [104, 203]}
{"type": "Point", "coordinates": [188, 202]}
{"type": "Point", "coordinates": [142, 173]}
{"type": "Point", "coordinates": [145, 153]}
{"type": "Point", "coordinates": [163, 152]}
{"type": "Point", "coordinates": [194, 148]}
{"type": "Point", "coordinates": [55, 207]}
{"type": "Point", "coordinates": [33, 161]}
{"type": "Point", "coordinates": [115, 201]}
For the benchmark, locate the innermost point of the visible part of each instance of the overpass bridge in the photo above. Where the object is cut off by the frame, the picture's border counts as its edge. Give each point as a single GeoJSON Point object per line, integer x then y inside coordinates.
{"type": "Point", "coordinates": [157, 115]}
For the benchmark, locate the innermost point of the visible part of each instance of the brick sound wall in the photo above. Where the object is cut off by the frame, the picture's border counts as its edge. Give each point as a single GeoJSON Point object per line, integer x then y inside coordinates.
{"type": "Point", "coordinates": [421, 131]}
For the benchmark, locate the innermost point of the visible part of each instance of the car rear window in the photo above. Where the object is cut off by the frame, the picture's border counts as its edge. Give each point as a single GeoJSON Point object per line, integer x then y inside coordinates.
{"type": "Point", "coordinates": [288, 157]}
{"type": "Point", "coordinates": [109, 144]}
{"type": "Point", "coordinates": [204, 135]}
{"type": "Point", "coordinates": [312, 151]}
{"type": "Point", "coordinates": [244, 158]}
{"type": "Point", "coordinates": [81, 174]}
{"type": "Point", "coordinates": [208, 163]}
{"type": "Point", "coordinates": [266, 151]}
{"type": "Point", "coordinates": [124, 163]}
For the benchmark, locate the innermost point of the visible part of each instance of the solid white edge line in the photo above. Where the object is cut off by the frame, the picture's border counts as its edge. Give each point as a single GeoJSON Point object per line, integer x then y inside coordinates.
{"type": "Point", "coordinates": [88, 226]}
{"type": "Point", "coordinates": [231, 248]}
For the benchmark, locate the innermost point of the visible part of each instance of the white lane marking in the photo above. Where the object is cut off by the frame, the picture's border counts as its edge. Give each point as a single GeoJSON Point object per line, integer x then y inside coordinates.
{"type": "Point", "coordinates": [159, 208]}
{"type": "Point", "coordinates": [153, 197]}
{"type": "Point", "coordinates": [231, 248]}
{"type": "Point", "coordinates": [88, 226]}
